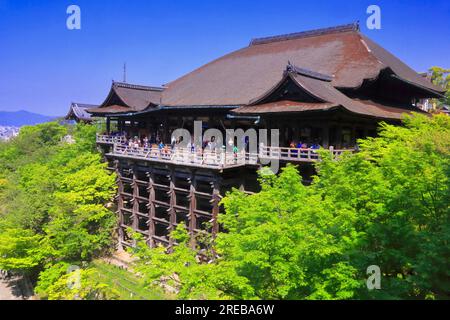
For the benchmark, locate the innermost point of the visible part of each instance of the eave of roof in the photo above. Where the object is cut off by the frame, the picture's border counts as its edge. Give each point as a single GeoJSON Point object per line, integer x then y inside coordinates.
{"type": "Point", "coordinates": [166, 108]}
{"type": "Point", "coordinates": [108, 110]}
{"type": "Point", "coordinates": [284, 106]}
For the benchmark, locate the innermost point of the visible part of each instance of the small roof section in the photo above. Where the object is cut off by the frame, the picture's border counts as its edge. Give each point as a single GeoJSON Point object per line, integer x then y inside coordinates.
{"type": "Point", "coordinates": [78, 112]}
{"type": "Point", "coordinates": [126, 97]}
{"type": "Point", "coordinates": [314, 92]}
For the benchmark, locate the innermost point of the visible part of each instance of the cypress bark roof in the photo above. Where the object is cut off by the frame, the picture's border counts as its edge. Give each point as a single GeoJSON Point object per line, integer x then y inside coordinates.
{"type": "Point", "coordinates": [320, 96]}
{"type": "Point", "coordinates": [322, 63]}
{"type": "Point", "coordinates": [78, 111]}
{"type": "Point", "coordinates": [340, 52]}
{"type": "Point", "coordinates": [125, 97]}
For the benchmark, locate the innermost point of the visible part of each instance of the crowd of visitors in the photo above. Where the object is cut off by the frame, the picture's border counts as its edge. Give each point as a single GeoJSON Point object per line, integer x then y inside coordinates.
{"type": "Point", "coordinates": [303, 145]}
{"type": "Point", "coordinates": [210, 146]}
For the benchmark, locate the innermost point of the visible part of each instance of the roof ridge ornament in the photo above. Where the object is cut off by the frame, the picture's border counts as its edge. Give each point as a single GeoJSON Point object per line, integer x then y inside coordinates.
{"type": "Point", "coordinates": [306, 34]}
{"type": "Point", "coordinates": [136, 86]}
{"type": "Point", "coordinates": [290, 68]}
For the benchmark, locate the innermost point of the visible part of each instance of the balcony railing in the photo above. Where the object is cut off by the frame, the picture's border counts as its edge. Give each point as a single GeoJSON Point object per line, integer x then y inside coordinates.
{"type": "Point", "coordinates": [214, 159]}
{"type": "Point", "coordinates": [105, 139]}
{"type": "Point", "coordinates": [185, 156]}
{"type": "Point", "coordinates": [297, 154]}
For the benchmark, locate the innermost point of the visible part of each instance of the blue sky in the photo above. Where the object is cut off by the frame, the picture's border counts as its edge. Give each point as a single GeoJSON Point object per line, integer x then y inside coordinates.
{"type": "Point", "coordinates": [44, 66]}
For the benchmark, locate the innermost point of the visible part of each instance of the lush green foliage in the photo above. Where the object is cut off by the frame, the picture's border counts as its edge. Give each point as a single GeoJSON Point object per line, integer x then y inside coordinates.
{"type": "Point", "coordinates": [128, 285]}
{"type": "Point", "coordinates": [181, 272]}
{"type": "Point", "coordinates": [387, 205]}
{"type": "Point", "coordinates": [53, 195]}
{"type": "Point", "coordinates": [81, 285]}
{"type": "Point", "coordinates": [441, 77]}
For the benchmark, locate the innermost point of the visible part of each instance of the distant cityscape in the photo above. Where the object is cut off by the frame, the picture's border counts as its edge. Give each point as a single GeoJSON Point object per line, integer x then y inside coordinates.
{"type": "Point", "coordinates": [8, 132]}
{"type": "Point", "coordinates": [11, 122]}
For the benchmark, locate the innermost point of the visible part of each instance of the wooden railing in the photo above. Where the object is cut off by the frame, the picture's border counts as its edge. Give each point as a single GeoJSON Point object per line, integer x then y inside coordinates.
{"type": "Point", "coordinates": [215, 159]}
{"type": "Point", "coordinates": [110, 139]}
{"type": "Point", "coordinates": [297, 154]}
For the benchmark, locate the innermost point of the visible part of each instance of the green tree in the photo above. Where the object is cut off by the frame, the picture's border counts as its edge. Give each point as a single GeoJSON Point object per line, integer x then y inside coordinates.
{"type": "Point", "coordinates": [183, 274]}
{"type": "Point", "coordinates": [441, 77]}
{"type": "Point", "coordinates": [387, 205]}
{"type": "Point", "coordinates": [287, 242]}
{"type": "Point", "coordinates": [80, 285]}
{"type": "Point", "coordinates": [53, 196]}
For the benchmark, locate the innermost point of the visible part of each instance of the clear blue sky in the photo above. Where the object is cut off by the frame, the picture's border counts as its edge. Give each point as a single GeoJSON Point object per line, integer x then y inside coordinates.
{"type": "Point", "coordinates": [44, 66]}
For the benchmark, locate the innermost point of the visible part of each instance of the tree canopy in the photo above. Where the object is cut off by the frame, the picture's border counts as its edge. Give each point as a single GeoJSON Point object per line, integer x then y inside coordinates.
{"type": "Point", "coordinates": [53, 196]}
{"type": "Point", "coordinates": [441, 77]}
{"type": "Point", "coordinates": [387, 205]}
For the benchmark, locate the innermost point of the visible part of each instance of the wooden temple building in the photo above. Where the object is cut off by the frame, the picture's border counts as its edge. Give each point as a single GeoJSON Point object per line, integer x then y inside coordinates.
{"type": "Point", "coordinates": [78, 112]}
{"type": "Point", "coordinates": [326, 88]}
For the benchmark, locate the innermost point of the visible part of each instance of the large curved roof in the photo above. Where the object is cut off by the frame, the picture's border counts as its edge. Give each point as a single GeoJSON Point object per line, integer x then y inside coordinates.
{"type": "Point", "coordinates": [237, 78]}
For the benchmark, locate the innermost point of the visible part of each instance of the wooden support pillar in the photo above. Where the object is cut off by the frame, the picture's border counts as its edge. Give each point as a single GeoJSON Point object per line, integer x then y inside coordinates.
{"type": "Point", "coordinates": [192, 207]}
{"type": "Point", "coordinates": [216, 209]}
{"type": "Point", "coordinates": [352, 141]}
{"type": "Point", "coordinates": [338, 137]}
{"type": "Point", "coordinates": [108, 125]}
{"type": "Point", "coordinates": [326, 136]}
{"type": "Point", "coordinates": [152, 209]}
{"type": "Point", "coordinates": [173, 202]}
{"type": "Point", "coordinates": [165, 138]}
{"type": "Point", "coordinates": [119, 205]}
{"type": "Point", "coordinates": [135, 216]}
{"type": "Point", "coordinates": [241, 180]}
{"type": "Point", "coordinates": [296, 133]}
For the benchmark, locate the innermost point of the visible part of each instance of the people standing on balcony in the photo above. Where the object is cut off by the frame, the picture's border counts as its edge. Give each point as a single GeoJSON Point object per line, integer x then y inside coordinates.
{"type": "Point", "coordinates": [230, 143]}
{"type": "Point", "coordinates": [212, 145]}
{"type": "Point", "coordinates": [235, 153]}
{"type": "Point", "coordinates": [191, 146]}
{"type": "Point", "coordinates": [145, 142]}
{"type": "Point", "coordinates": [293, 152]}
{"type": "Point", "coordinates": [136, 144]}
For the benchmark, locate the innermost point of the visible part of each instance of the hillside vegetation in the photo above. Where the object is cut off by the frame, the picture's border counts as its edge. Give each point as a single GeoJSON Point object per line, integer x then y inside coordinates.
{"type": "Point", "coordinates": [387, 206]}
{"type": "Point", "coordinates": [53, 197]}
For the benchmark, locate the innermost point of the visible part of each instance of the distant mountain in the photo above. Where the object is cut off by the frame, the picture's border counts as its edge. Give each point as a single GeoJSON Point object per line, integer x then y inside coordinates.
{"type": "Point", "coordinates": [22, 118]}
